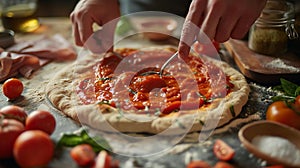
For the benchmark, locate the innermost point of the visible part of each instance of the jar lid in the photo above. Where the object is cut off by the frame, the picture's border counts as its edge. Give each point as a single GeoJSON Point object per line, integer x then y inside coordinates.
{"type": "Point", "coordinates": [277, 12]}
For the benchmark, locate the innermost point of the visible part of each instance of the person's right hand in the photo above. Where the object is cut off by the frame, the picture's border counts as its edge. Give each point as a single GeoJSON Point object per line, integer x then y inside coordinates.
{"type": "Point", "coordinates": [218, 20]}
{"type": "Point", "coordinates": [88, 12]}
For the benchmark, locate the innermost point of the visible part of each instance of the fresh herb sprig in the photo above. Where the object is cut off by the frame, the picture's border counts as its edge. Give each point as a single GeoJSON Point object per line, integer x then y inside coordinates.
{"type": "Point", "coordinates": [290, 91]}
{"type": "Point", "coordinates": [70, 140]}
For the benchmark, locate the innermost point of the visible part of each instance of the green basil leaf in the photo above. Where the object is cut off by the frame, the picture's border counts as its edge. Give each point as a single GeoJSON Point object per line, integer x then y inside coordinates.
{"type": "Point", "coordinates": [71, 140]}
{"type": "Point", "coordinates": [297, 92]}
{"type": "Point", "coordinates": [279, 88]}
{"type": "Point", "coordinates": [288, 87]}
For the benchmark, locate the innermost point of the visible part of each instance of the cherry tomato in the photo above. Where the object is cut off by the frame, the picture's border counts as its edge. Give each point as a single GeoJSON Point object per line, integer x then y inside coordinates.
{"type": "Point", "coordinates": [296, 105]}
{"type": "Point", "coordinates": [207, 49]}
{"type": "Point", "coordinates": [33, 148]}
{"type": "Point", "coordinates": [223, 151]}
{"type": "Point", "coordinates": [279, 111]}
{"type": "Point", "coordinates": [223, 165]}
{"type": "Point", "coordinates": [9, 131]}
{"type": "Point", "coordinates": [104, 160]}
{"type": "Point", "coordinates": [198, 164]}
{"type": "Point", "coordinates": [83, 154]}
{"type": "Point", "coordinates": [12, 88]}
{"type": "Point", "coordinates": [14, 112]}
{"type": "Point", "coordinates": [41, 120]}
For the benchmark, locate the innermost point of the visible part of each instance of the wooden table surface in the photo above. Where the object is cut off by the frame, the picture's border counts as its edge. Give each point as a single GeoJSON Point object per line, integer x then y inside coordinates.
{"type": "Point", "coordinates": [34, 98]}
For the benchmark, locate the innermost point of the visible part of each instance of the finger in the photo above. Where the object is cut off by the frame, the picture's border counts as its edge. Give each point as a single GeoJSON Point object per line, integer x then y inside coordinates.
{"type": "Point", "coordinates": [224, 29]}
{"type": "Point", "coordinates": [246, 20]}
{"type": "Point", "coordinates": [210, 23]}
{"type": "Point", "coordinates": [242, 27]}
{"type": "Point", "coordinates": [85, 28]}
{"type": "Point", "coordinates": [77, 35]}
{"type": "Point", "coordinates": [191, 26]}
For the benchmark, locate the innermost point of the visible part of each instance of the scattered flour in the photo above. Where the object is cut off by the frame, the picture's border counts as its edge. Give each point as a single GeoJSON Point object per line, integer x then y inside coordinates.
{"type": "Point", "coordinates": [279, 148]}
{"type": "Point", "coordinates": [278, 64]}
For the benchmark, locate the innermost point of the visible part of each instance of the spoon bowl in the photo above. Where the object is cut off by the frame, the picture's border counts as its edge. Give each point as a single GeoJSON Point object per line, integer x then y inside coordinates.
{"type": "Point", "coordinates": [269, 128]}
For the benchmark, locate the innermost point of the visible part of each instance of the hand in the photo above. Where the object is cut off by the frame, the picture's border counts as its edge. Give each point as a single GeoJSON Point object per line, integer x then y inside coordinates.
{"type": "Point", "coordinates": [88, 12]}
{"type": "Point", "coordinates": [219, 20]}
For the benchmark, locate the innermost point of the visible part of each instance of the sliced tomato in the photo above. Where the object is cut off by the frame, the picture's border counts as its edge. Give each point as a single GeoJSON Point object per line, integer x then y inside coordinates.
{"type": "Point", "coordinates": [221, 164]}
{"type": "Point", "coordinates": [198, 164]}
{"type": "Point", "coordinates": [83, 154]}
{"type": "Point", "coordinates": [223, 151]}
{"type": "Point", "coordinates": [104, 160]}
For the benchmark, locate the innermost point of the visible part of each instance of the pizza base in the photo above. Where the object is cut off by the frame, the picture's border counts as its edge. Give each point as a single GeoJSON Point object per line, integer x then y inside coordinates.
{"type": "Point", "coordinates": [61, 93]}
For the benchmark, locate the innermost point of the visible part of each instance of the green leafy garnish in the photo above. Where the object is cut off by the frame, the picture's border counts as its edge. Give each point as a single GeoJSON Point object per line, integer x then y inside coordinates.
{"type": "Point", "coordinates": [289, 88]}
{"type": "Point", "coordinates": [132, 91]}
{"type": "Point", "coordinates": [231, 108]}
{"type": "Point", "coordinates": [290, 91]}
{"type": "Point", "coordinates": [70, 140]}
{"type": "Point", "coordinates": [104, 78]}
{"type": "Point", "coordinates": [202, 122]}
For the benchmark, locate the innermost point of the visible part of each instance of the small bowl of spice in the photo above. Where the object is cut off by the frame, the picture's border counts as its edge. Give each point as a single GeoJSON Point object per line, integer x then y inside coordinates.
{"type": "Point", "coordinates": [273, 142]}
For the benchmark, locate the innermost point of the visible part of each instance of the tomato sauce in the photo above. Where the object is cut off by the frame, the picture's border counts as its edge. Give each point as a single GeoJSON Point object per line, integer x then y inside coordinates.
{"type": "Point", "coordinates": [133, 83]}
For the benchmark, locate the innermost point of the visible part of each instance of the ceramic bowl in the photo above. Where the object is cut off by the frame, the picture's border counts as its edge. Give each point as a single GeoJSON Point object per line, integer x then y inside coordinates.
{"type": "Point", "coordinates": [268, 128]}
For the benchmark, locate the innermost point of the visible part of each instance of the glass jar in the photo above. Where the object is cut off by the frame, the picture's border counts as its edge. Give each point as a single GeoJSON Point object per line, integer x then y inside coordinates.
{"type": "Point", "coordinates": [270, 33]}
{"type": "Point", "coordinates": [296, 43]}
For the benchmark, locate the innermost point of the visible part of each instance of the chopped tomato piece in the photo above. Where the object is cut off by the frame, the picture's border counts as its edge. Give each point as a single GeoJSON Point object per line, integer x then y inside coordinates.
{"type": "Point", "coordinates": [83, 154]}
{"type": "Point", "coordinates": [104, 160]}
{"type": "Point", "coordinates": [198, 164]}
{"type": "Point", "coordinates": [223, 165]}
{"type": "Point", "coordinates": [223, 151]}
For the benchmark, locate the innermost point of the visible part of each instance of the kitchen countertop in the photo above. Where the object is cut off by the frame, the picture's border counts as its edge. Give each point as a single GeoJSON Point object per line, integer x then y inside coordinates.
{"type": "Point", "coordinates": [34, 98]}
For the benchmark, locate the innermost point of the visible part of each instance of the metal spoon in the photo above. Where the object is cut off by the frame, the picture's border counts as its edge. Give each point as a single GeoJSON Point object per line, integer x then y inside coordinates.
{"type": "Point", "coordinates": [163, 67]}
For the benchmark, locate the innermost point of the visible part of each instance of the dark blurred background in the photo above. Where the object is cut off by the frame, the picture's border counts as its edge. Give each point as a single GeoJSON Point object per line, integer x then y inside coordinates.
{"type": "Point", "coordinates": [55, 8]}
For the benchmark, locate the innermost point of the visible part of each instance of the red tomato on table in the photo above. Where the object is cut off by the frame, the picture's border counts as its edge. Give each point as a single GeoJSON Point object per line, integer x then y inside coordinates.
{"type": "Point", "coordinates": [280, 112]}
{"type": "Point", "coordinates": [12, 88]}
{"type": "Point", "coordinates": [10, 129]}
{"type": "Point", "coordinates": [296, 104]}
{"type": "Point", "coordinates": [41, 120]}
{"type": "Point", "coordinates": [14, 112]}
{"type": "Point", "coordinates": [223, 151]}
{"type": "Point", "coordinates": [33, 148]}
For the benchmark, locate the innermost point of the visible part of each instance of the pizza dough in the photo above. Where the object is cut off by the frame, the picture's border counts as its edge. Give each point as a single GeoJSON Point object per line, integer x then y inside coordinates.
{"type": "Point", "coordinates": [61, 92]}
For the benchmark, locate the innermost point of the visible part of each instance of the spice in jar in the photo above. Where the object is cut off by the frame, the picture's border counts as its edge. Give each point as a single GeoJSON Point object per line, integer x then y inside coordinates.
{"type": "Point", "coordinates": [270, 33]}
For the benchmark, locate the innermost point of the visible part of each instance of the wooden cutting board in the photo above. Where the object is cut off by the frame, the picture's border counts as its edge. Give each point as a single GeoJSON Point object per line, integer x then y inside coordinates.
{"type": "Point", "coordinates": [262, 68]}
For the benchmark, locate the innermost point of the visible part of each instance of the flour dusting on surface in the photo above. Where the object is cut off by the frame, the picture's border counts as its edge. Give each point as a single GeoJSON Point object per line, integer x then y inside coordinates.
{"type": "Point", "coordinates": [278, 64]}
